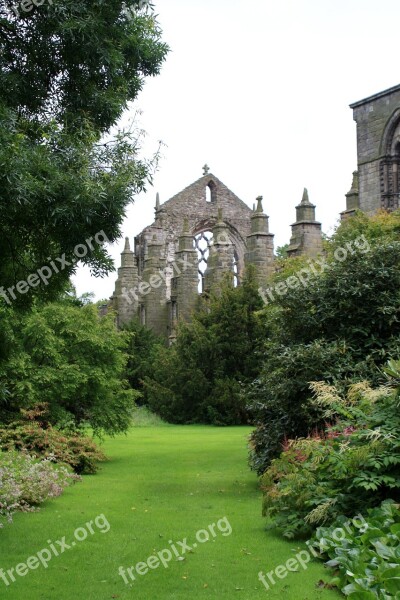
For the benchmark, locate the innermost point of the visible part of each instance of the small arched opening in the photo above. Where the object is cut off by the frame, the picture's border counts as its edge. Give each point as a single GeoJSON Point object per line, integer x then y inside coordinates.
{"type": "Point", "coordinates": [211, 191]}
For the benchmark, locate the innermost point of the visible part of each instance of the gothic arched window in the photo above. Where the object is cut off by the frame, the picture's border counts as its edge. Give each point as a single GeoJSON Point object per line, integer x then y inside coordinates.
{"type": "Point", "coordinates": [235, 269]}
{"type": "Point", "coordinates": [202, 242]}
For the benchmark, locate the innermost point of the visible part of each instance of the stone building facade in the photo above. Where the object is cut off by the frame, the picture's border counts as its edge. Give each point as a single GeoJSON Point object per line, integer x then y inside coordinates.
{"type": "Point", "coordinates": [377, 183]}
{"type": "Point", "coordinates": [198, 237]}
{"type": "Point", "coordinates": [206, 232]}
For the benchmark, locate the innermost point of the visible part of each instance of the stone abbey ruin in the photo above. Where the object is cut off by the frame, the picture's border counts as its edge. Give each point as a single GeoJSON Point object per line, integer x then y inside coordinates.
{"type": "Point", "coordinates": [206, 231]}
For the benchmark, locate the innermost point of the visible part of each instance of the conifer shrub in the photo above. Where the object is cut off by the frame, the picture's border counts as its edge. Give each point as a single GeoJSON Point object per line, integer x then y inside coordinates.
{"type": "Point", "coordinates": [72, 359]}
{"type": "Point", "coordinates": [199, 379]}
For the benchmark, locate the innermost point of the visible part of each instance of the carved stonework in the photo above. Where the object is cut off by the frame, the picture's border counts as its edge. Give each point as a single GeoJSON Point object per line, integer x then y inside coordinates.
{"type": "Point", "coordinates": [197, 241]}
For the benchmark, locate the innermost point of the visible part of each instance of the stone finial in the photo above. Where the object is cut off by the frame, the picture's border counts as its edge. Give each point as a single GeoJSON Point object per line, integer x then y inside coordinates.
{"type": "Point", "coordinates": [127, 256]}
{"type": "Point", "coordinates": [258, 219]}
{"type": "Point", "coordinates": [206, 169]}
{"type": "Point", "coordinates": [306, 236]}
{"type": "Point", "coordinates": [352, 198]}
{"type": "Point", "coordinates": [305, 211]}
{"type": "Point", "coordinates": [305, 199]}
{"type": "Point", "coordinates": [153, 248]}
{"type": "Point", "coordinates": [354, 184]}
{"type": "Point", "coordinates": [254, 207]}
{"type": "Point", "coordinates": [186, 238]}
{"type": "Point", "coordinates": [219, 219]}
{"type": "Point", "coordinates": [157, 201]}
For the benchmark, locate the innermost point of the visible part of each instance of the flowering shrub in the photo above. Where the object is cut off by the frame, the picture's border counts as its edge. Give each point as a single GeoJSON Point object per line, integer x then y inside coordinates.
{"type": "Point", "coordinates": [34, 434]}
{"type": "Point", "coordinates": [26, 482]}
{"type": "Point", "coordinates": [341, 328]}
{"type": "Point", "coordinates": [354, 465]}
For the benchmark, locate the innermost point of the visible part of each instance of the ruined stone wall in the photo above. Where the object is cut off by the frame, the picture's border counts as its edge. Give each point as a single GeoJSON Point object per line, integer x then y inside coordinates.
{"type": "Point", "coordinates": [164, 269]}
{"type": "Point", "coordinates": [191, 204]}
{"type": "Point", "coordinates": [167, 247]}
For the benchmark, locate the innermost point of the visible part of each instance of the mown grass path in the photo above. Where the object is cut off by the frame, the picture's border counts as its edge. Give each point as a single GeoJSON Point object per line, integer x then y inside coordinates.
{"type": "Point", "coordinates": [160, 484]}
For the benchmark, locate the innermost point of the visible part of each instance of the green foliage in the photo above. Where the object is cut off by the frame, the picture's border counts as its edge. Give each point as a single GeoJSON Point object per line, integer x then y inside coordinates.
{"type": "Point", "coordinates": [73, 360]}
{"type": "Point", "coordinates": [33, 434]}
{"type": "Point", "coordinates": [354, 465]}
{"type": "Point", "coordinates": [382, 226]}
{"type": "Point", "coordinates": [81, 59]}
{"type": "Point", "coordinates": [199, 379]}
{"type": "Point", "coordinates": [366, 562]}
{"type": "Point", "coordinates": [57, 192]}
{"type": "Point", "coordinates": [340, 327]}
{"type": "Point", "coordinates": [392, 373]}
{"type": "Point", "coordinates": [279, 399]}
{"type": "Point", "coordinates": [74, 449]}
{"type": "Point", "coordinates": [281, 251]}
{"type": "Point", "coordinates": [68, 69]}
{"type": "Point", "coordinates": [143, 348]}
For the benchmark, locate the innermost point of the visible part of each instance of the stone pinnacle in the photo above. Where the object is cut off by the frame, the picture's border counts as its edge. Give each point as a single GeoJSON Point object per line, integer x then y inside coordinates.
{"type": "Point", "coordinates": [305, 199]}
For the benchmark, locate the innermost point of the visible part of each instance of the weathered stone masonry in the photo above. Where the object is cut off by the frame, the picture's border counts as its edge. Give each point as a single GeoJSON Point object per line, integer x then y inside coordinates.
{"type": "Point", "coordinates": [206, 231]}
{"type": "Point", "coordinates": [199, 236]}
{"type": "Point", "coordinates": [377, 181]}
{"type": "Point", "coordinates": [306, 231]}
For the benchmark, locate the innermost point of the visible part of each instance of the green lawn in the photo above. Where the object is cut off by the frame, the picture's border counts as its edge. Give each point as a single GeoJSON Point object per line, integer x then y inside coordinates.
{"type": "Point", "coordinates": [161, 484]}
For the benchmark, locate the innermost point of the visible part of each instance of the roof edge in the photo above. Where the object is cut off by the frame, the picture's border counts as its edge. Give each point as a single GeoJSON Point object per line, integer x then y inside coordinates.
{"type": "Point", "coordinates": [395, 88]}
{"type": "Point", "coordinates": [206, 177]}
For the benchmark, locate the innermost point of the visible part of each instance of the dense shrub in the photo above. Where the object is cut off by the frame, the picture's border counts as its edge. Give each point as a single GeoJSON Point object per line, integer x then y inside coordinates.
{"type": "Point", "coordinates": [72, 359]}
{"type": "Point", "coordinates": [34, 434]}
{"type": "Point", "coordinates": [26, 482]}
{"type": "Point", "coordinates": [199, 379]}
{"type": "Point", "coordinates": [76, 450]}
{"type": "Point", "coordinates": [382, 227]}
{"type": "Point", "coordinates": [143, 348]}
{"type": "Point", "coordinates": [366, 562]}
{"type": "Point", "coordinates": [354, 465]}
{"type": "Point", "coordinates": [279, 399]}
{"type": "Point", "coordinates": [340, 327]}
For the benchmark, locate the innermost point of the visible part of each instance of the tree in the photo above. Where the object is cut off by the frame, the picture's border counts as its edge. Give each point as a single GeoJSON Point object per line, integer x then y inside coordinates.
{"type": "Point", "coordinates": [281, 251]}
{"type": "Point", "coordinates": [72, 359]}
{"type": "Point", "coordinates": [68, 69]}
{"type": "Point", "coordinates": [341, 326]}
{"type": "Point", "coordinates": [199, 379]}
{"type": "Point", "coordinates": [143, 349]}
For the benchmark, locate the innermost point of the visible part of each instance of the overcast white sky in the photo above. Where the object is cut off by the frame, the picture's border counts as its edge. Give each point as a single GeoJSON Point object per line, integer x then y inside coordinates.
{"type": "Point", "coordinates": [259, 89]}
